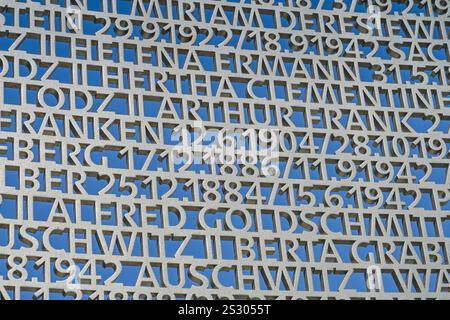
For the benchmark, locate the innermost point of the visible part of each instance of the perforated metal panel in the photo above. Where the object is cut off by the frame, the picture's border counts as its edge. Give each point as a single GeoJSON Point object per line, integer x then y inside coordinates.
{"type": "Point", "coordinates": [193, 149]}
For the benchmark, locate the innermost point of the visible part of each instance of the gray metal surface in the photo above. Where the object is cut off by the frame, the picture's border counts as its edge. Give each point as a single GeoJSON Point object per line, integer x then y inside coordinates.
{"type": "Point", "coordinates": [224, 149]}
